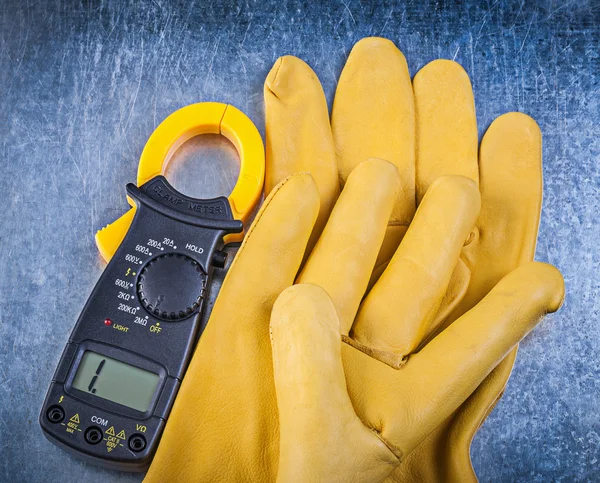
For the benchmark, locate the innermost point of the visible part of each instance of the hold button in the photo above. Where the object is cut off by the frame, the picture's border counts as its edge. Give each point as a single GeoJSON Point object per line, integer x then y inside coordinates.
{"type": "Point", "coordinates": [219, 259]}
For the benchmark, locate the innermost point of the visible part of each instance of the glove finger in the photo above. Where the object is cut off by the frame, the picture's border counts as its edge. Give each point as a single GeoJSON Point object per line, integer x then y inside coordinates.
{"type": "Point", "coordinates": [510, 164]}
{"type": "Point", "coordinates": [345, 254]}
{"type": "Point", "coordinates": [446, 132]}
{"type": "Point", "coordinates": [276, 243]}
{"type": "Point", "coordinates": [373, 117]}
{"type": "Point", "coordinates": [321, 438]}
{"type": "Point", "coordinates": [298, 134]}
{"type": "Point", "coordinates": [457, 288]}
{"type": "Point", "coordinates": [400, 307]}
{"type": "Point", "coordinates": [454, 364]}
{"type": "Point", "coordinates": [446, 126]}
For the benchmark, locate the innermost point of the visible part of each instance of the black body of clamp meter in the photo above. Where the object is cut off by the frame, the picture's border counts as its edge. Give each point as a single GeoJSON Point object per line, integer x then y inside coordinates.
{"type": "Point", "coordinates": [120, 371]}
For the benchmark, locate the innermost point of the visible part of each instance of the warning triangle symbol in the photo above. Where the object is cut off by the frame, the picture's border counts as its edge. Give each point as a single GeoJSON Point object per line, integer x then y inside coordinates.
{"type": "Point", "coordinates": [111, 431]}
{"type": "Point", "coordinates": [121, 434]}
{"type": "Point", "coordinates": [75, 419]}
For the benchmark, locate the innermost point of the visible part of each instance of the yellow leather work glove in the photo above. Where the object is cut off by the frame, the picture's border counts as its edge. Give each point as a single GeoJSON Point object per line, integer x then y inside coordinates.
{"type": "Point", "coordinates": [224, 424]}
{"type": "Point", "coordinates": [426, 128]}
{"type": "Point", "coordinates": [356, 411]}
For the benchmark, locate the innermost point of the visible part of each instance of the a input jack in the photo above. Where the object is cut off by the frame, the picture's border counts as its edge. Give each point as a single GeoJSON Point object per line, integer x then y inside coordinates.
{"type": "Point", "coordinates": [137, 443]}
{"type": "Point", "coordinates": [55, 414]}
{"type": "Point", "coordinates": [93, 435]}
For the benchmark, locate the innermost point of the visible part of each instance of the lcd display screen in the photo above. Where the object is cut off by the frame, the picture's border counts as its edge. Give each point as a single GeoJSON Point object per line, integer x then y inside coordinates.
{"type": "Point", "coordinates": [116, 381]}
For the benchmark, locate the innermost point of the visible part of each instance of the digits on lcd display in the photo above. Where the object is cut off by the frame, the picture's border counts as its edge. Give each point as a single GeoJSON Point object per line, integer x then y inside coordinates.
{"type": "Point", "coordinates": [116, 381]}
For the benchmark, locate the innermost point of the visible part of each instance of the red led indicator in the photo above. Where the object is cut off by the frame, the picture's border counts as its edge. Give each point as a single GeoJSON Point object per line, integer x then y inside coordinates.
{"type": "Point", "coordinates": [107, 322]}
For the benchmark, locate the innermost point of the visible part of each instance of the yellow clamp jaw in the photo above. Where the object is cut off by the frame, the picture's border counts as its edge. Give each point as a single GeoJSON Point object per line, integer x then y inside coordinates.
{"type": "Point", "coordinates": [179, 127]}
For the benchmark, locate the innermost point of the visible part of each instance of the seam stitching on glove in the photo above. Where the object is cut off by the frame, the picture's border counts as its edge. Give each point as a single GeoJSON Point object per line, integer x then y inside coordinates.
{"type": "Point", "coordinates": [275, 78]}
{"type": "Point", "coordinates": [395, 361]}
{"type": "Point", "coordinates": [395, 451]}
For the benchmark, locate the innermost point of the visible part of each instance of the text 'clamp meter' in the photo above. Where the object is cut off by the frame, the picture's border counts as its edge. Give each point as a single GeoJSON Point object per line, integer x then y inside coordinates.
{"type": "Point", "coordinates": [121, 369]}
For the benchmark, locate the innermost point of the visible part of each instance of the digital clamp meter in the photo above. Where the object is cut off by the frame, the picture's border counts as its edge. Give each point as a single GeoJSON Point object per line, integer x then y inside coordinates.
{"type": "Point", "coordinates": [119, 374]}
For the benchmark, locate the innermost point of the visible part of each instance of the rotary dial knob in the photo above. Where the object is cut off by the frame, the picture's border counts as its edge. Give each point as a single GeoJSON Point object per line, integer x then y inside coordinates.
{"type": "Point", "coordinates": [171, 286]}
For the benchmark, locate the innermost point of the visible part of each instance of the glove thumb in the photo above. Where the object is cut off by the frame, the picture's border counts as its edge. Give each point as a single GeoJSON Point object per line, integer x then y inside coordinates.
{"type": "Point", "coordinates": [321, 437]}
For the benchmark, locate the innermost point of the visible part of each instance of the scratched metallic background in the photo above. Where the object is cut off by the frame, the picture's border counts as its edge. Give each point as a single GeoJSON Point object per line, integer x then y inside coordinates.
{"type": "Point", "coordinates": [82, 86]}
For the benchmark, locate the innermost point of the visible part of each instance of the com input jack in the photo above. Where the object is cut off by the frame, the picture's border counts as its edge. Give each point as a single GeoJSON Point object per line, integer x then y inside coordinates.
{"type": "Point", "coordinates": [137, 443]}
{"type": "Point", "coordinates": [93, 435]}
{"type": "Point", "coordinates": [55, 414]}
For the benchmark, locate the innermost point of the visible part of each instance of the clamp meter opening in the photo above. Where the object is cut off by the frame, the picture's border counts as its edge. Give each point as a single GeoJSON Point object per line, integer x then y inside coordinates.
{"type": "Point", "coordinates": [120, 371]}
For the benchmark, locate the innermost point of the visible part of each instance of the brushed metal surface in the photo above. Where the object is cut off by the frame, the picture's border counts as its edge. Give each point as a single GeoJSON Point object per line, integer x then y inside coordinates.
{"type": "Point", "coordinates": [83, 84]}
